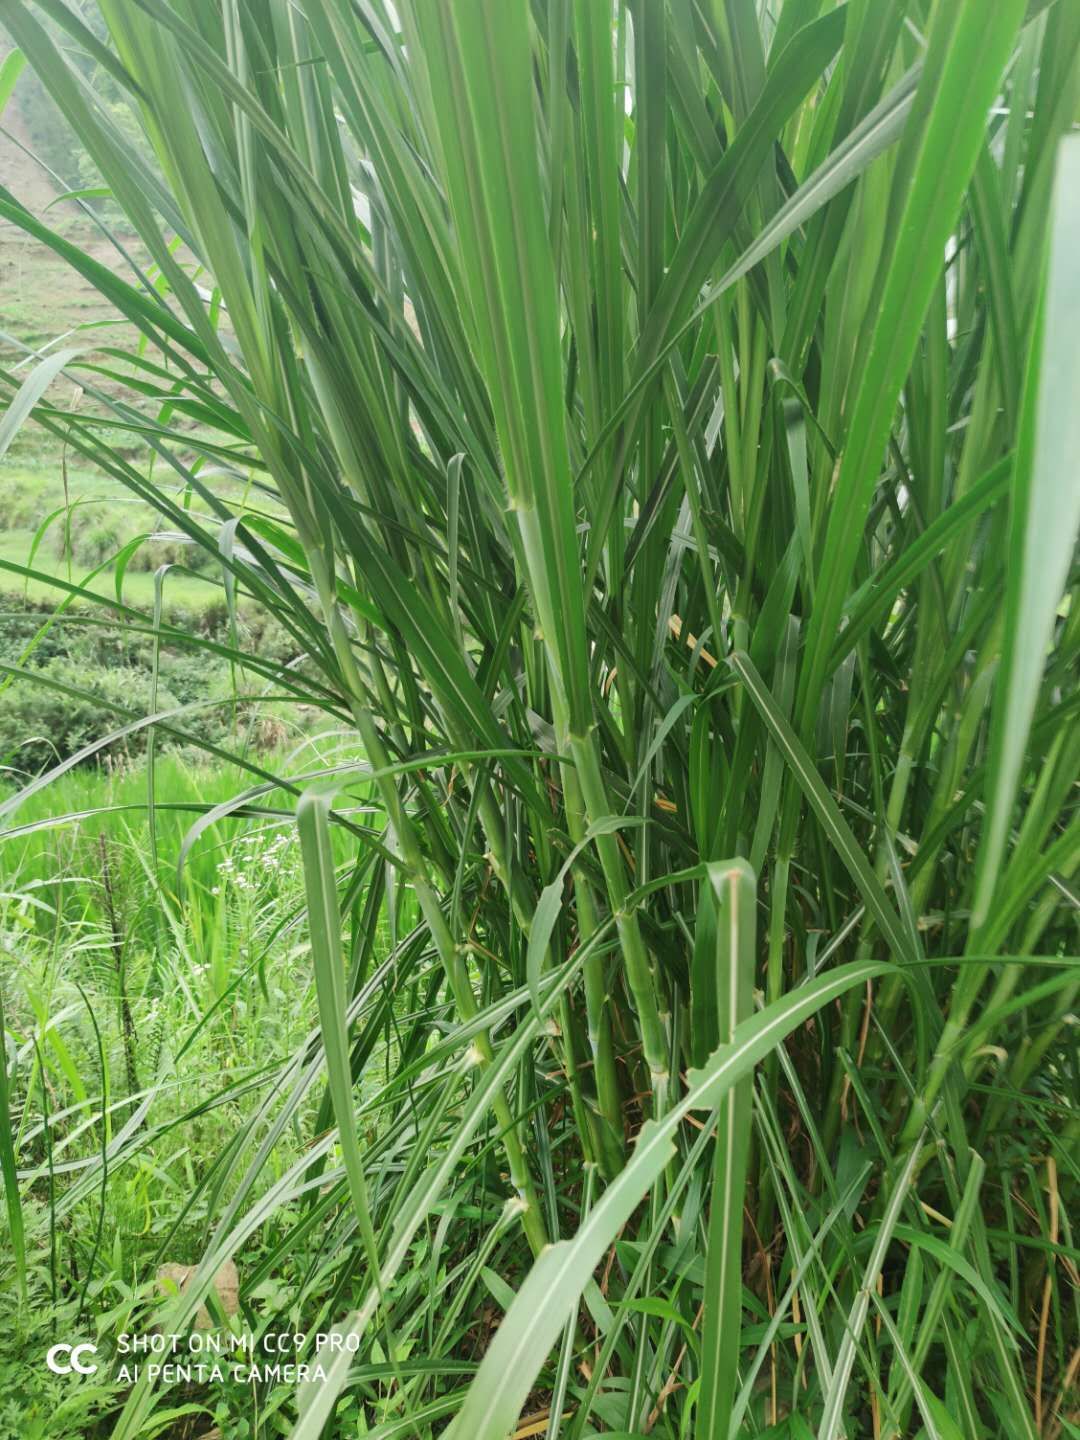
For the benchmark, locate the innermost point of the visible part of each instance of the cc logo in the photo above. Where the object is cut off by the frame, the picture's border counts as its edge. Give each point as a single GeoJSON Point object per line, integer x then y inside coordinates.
{"type": "Point", "coordinates": [61, 1366]}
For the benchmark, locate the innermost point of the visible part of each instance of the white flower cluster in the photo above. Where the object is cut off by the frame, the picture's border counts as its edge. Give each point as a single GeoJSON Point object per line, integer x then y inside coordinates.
{"type": "Point", "coordinates": [253, 853]}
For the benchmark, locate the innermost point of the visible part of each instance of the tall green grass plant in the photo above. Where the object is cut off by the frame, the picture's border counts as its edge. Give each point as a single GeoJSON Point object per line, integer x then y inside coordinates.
{"type": "Point", "coordinates": [662, 421]}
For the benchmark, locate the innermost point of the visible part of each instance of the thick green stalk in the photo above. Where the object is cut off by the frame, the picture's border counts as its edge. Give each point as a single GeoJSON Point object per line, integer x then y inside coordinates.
{"type": "Point", "coordinates": [734, 896]}
{"type": "Point", "coordinates": [640, 974]}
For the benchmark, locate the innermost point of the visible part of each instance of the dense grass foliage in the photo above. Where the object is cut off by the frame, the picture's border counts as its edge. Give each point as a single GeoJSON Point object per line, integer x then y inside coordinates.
{"type": "Point", "coordinates": [656, 427]}
{"type": "Point", "coordinates": [148, 1019]}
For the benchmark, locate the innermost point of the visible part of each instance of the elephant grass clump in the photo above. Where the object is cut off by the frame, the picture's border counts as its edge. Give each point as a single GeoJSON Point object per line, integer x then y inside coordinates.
{"type": "Point", "coordinates": [658, 424]}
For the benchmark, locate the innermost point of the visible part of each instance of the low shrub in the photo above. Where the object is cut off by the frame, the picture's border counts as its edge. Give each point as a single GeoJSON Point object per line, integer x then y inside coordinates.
{"type": "Point", "coordinates": [42, 723]}
{"type": "Point", "coordinates": [59, 707]}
